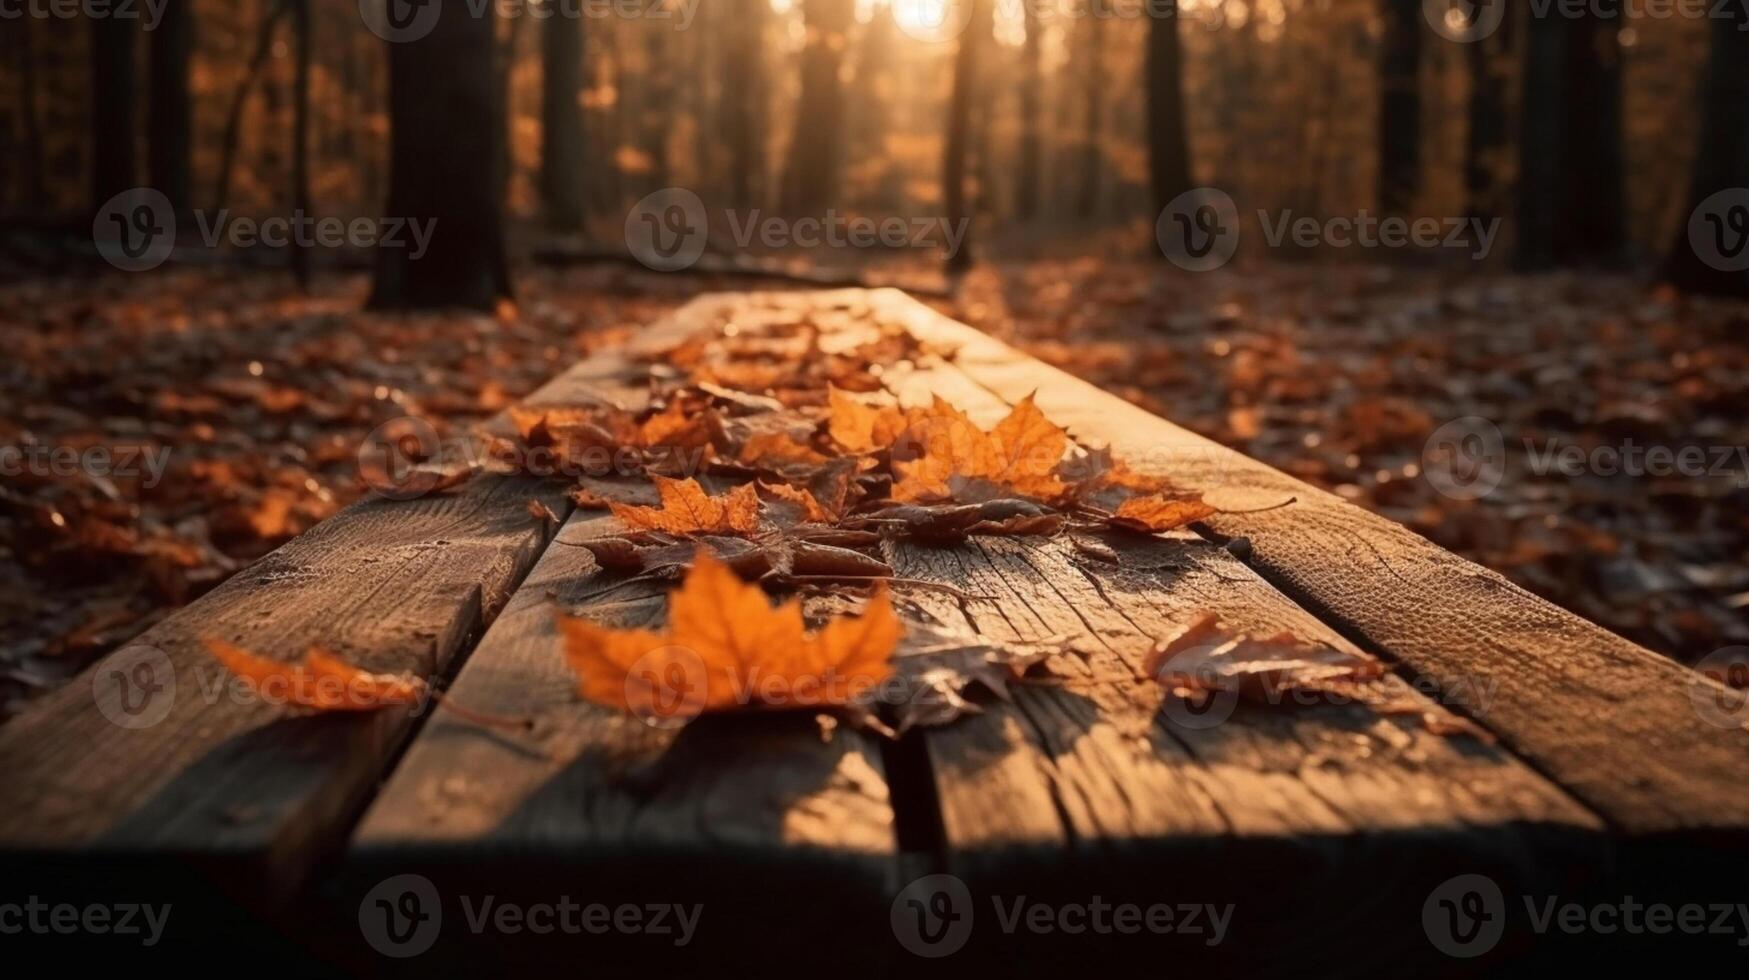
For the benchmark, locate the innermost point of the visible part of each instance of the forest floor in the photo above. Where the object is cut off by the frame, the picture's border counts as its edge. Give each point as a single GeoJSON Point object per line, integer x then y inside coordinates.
{"type": "Point", "coordinates": [254, 398]}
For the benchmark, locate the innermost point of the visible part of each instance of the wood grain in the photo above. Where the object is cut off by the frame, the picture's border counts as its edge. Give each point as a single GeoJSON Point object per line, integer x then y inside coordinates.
{"type": "Point", "coordinates": [1610, 721]}
{"type": "Point", "coordinates": [393, 586]}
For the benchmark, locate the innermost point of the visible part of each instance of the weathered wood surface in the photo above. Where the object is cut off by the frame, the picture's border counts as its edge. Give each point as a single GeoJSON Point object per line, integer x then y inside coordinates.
{"type": "Point", "coordinates": [1612, 722]}
{"type": "Point", "coordinates": [1088, 780]}
{"type": "Point", "coordinates": [394, 586]}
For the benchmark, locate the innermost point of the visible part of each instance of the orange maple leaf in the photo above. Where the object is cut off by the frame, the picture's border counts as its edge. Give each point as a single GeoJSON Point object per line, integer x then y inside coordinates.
{"type": "Point", "coordinates": [1159, 512]}
{"type": "Point", "coordinates": [942, 455]}
{"type": "Point", "coordinates": [687, 509]}
{"type": "Point", "coordinates": [726, 647]}
{"type": "Point", "coordinates": [323, 682]}
{"type": "Point", "coordinates": [860, 427]}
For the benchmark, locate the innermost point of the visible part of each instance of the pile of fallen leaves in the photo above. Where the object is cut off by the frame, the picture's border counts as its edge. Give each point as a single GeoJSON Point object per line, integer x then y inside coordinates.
{"type": "Point", "coordinates": [255, 399]}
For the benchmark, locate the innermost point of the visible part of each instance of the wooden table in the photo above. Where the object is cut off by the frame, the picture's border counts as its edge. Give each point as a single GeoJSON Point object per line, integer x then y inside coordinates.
{"type": "Point", "coordinates": [1325, 830]}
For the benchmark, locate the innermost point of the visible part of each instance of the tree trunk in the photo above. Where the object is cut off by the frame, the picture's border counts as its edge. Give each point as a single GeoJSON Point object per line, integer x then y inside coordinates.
{"type": "Point", "coordinates": [445, 125]}
{"type": "Point", "coordinates": [31, 190]}
{"type": "Point", "coordinates": [1168, 130]}
{"type": "Point", "coordinates": [1486, 144]}
{"type": "Point", "coordinates": [1400, 106]}
{"type": "Point", "coordinates": [743, 86]}
{"type": "Point", "coordinates": [114, 155]}
{"type": "Point", "coordinates": [1029, 181]}
{"type": "Point", "coordinates": [1593, 225]}
{"type": "Point", "coordinates": [659, 110]}
{"type": "Point", "coordinates": [1711, 251]}
{"type": "Point", "coordinates": [1093, 135]}
{"type": "Point", "coordinates": [172, 113]}
{"type": "Point", "coordinates": [302, 206]}
{"type": "Point", "coordinates": [959, 127]}
{"type": "Point", "coordinates": [234, 118]}
{"type": "Point", "coordinates": [561, 156]}
{"type": "Point", "coordinates": [811, 179]}
{"type": "Point", "coordinates": [1571, 194]}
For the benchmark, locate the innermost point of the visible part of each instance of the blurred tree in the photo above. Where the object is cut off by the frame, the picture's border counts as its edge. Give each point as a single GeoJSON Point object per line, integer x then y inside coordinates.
{"type": "Point", "coordinates": [31, 191]}
{"type": "Point", "coordinates": [301, 198]}
{"type": "Point", "coordinates": [445, 123]}
{"type": "Point", "coordinates": [172, 113]}
{"type": "Point", "coordinates": [959, 125]}
{"type": "Point", "coordinates": [114, 155]}
{"type": "Point", "coordinates": [562, 146]}
{"type": "Point", "coordinates": [812, 175]}
{"type": "Point", "coordinates": [1028, 183]}
{"type": "Point", "coordinates": [1168, 129]}
{"type": "Point", "coordinates": [1571, 198]}
{"type": "Point", "coordinates": [742, 123]}
{"type": "Point", "coordinates": [1092, 34]}
{"type": "Point", "coordinates": [1400, 106]}
{"type": "Point", "coordinates": [234, 118]}
{"type": "Point", "coordinates": [1489, 66]}
{"type": "Point", "coordinates": [1721, 165]}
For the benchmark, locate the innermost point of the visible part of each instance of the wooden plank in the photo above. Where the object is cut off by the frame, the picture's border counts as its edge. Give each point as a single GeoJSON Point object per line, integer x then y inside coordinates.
{"type": "Point", "coordinates": [396, 586]}
{"type": "Point", "coordinates": [1610, 721]}
{"type": "Point", "coordinates": [600, 807]}
{"type": "Point", "coordinates": [1357, 815]}
{"type": "Point", "coordinates": [221, 778]}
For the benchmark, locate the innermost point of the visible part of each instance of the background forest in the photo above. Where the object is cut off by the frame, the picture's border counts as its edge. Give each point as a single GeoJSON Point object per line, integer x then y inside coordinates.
{"type": "Point", "coordinates": [1595, 137]}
